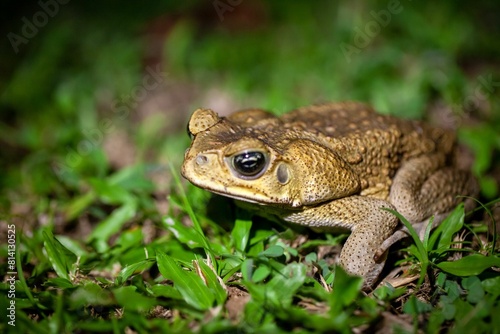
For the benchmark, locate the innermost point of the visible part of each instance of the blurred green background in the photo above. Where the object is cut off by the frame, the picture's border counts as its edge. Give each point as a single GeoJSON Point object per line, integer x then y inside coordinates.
{"type": "Point", "coordinates": [87, 88]}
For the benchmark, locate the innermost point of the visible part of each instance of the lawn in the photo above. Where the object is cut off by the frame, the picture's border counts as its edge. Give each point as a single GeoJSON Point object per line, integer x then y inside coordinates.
{"type": "Point", "coordinates": [99, 233]}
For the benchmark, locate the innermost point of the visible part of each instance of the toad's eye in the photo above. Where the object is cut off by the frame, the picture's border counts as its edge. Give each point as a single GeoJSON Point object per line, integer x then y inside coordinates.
{"type": "Point", "coordinates": [249, 165]}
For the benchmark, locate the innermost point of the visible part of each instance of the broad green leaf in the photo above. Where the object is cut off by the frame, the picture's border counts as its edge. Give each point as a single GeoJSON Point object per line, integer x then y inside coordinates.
{"type": "Point", "coordinates": [452, 289]}
{"type": "Point", "coordinates": [475, 291]}
{"type": "Point", "coordinates": [384, 292]}
{"type": "Point", "coordinates": [282, 287]}
{"type": "Point", "coordinates": [469, 265]}
{"type": "Point", "coordinates": [273, 251]}
{"type": "Point", "coordinates": [492, 285]}
{"type": "Point", "coordinates": [255, 249]}
{"type": "Point", "coordinates": [449, 309]}
{"type": "Point", "coordinates": [247, 269]}
{"type": "Point", "coordinates": [261, 273]}
{"type": "Point", "coordinates": [346, 289]}
{"type": "Point", "coordinates": [441, 279]}
{"type": "Point", "coordinates": [59, 256]}
{"type": "Point", "coordinates": [311, 257]}
{"type": "Point", "coordinates": [290, 251]}
{"type": "Point", "coordinates": [325, 268]}
{"type": "Point", "coordinates": [414, 306]}
{"type": "Point", "coordinates": [261, 235]}
{"type": "Point", "coordinates": [188, 283]}
{"type": "Point", "coordinates": [241, 233]}
{"type": "Point", "coordinates": [279, 291]}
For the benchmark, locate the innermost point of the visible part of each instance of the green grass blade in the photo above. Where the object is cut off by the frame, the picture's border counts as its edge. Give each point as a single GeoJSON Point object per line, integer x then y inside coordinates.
{"type": "Point", "coordinates": [443, 234]}
{"type": "Point", "coordinates": [22, 280]}
{"type": "Point", "coordinates": [59, 256]}
{"type": "Point", "coordinates": [422, 252]}
{"type": "Point", "coordinates": [411, 230]}
{"type": "Point", "coordinates": [189, 210]}
{"type": "Point", "coordinates": [188, 283]}
{"type": "Point", "coordinates": [428, 228]}
{"type": "Point", "coordinates": [188, 236]}
{"type": "Point", "coordinates": [213, 282]}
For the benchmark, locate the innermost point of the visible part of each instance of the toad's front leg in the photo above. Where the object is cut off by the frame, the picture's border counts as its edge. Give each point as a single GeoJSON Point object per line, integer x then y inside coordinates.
{"type": "Point", "coordinates": [369, 223]}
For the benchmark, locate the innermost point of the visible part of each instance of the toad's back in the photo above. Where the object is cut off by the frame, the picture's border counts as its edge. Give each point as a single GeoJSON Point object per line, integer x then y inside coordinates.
{"type": "Point", "coordinates": [374, 145]}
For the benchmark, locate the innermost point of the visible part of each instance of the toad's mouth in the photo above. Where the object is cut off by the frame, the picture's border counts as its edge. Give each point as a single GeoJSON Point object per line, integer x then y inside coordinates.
{"type": "Point", "coordinates": [263, 201]}
{"type": "Point", "coordinates": [243, 194]}
{"type": "Point", "coordinates": [240, 197]}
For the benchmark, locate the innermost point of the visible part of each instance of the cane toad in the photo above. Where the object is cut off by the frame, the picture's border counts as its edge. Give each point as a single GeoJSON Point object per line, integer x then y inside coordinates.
{"type": "Point", "coordinates": [330, 167]}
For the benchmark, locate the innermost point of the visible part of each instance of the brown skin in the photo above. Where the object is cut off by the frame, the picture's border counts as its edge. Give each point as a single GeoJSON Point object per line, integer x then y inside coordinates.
{"type": "Point", "coordinates": [329, 167]}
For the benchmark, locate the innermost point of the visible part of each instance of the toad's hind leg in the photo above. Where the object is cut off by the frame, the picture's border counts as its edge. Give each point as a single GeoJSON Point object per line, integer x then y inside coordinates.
{"type": "Point", "coordinates": [423, 187]}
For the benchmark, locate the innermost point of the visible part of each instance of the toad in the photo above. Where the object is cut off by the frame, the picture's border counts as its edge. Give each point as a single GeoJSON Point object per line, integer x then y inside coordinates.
{"type": "Point", "coordinates": [331, 167]}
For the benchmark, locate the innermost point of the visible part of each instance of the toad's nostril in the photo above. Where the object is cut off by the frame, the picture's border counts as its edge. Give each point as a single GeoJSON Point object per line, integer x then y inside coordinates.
{"type": "Point", "coordinates": [201, 160]}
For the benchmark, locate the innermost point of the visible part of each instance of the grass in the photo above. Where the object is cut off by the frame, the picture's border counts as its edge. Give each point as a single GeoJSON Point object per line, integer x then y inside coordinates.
{"type": "Point", "coordinates": [110, 239]}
